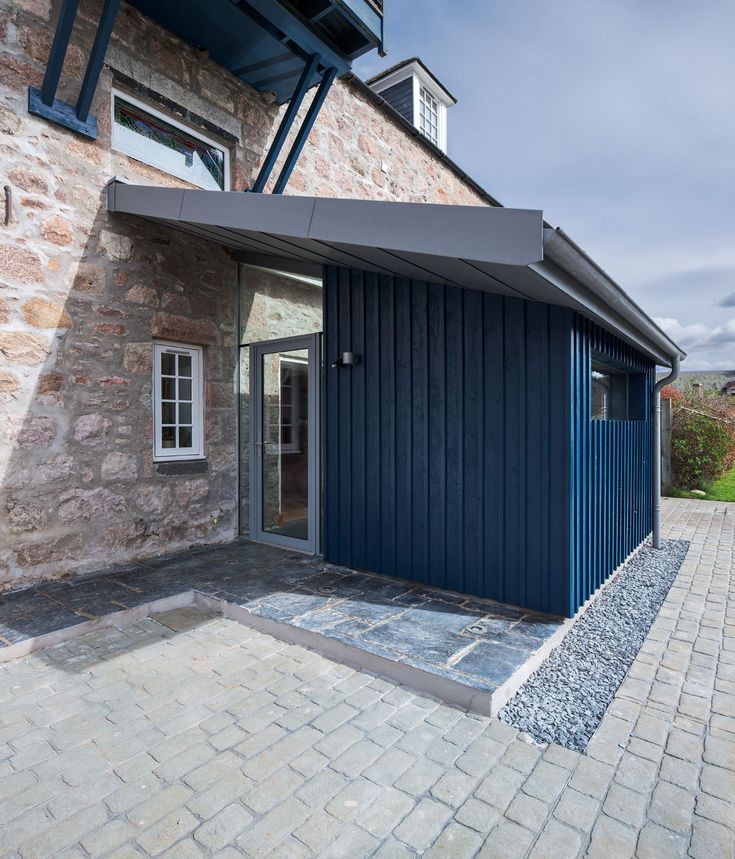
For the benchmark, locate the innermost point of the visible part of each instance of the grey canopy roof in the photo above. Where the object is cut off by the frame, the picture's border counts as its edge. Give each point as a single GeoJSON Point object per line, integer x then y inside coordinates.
{"type": "Point", "coordinates": [506, 251]}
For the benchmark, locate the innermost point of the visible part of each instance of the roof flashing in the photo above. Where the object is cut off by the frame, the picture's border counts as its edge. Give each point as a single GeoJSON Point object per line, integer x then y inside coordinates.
{"type": "Point", "coordinates": [509, 252]}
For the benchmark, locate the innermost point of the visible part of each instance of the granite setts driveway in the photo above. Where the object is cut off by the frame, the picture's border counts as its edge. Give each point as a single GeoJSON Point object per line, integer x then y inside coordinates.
{"type": "Point", "coordinates": [189, 735]}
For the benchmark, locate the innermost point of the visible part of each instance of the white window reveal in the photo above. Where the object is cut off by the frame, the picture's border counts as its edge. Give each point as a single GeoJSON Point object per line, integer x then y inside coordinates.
{"type": "Point", "coordinates": [429, 116]}
{"type": "Point", "coordinates": [293, 388]}
{"type": "Point", "coordinates": [145, 134]}
{"type": "Point", "coordinates": [178, 402]}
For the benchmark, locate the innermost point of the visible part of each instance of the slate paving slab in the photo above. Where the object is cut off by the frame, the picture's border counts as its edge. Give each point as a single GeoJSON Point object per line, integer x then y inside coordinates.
{"type": "Point", "coordinates": [435, 630]}
{"type": "Point", "coordinates": [492, 661]}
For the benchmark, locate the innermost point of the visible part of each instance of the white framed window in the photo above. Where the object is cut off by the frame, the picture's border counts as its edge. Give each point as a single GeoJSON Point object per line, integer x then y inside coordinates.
{"type": "Point", "coordinates": [293, 389]}
{"type": "Point", "coordinates": [146, 134]}
{"type": "Point", "coordinates": [178, 402]}
{"type": "Point", "coordinates": [429, 116]}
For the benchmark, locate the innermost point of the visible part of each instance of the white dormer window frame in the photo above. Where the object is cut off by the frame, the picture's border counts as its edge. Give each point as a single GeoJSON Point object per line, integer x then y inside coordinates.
{"type": "Point", "coordinates": [421, 80]}
{"type": "Point", "coordinates": [424, 83]}
{"type": "Point", "coordinates": [429, 116]}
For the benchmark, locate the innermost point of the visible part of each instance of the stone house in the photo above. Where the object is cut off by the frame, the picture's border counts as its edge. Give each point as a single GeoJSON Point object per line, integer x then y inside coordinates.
{"type": "Point", "coordinates": [163, 378]}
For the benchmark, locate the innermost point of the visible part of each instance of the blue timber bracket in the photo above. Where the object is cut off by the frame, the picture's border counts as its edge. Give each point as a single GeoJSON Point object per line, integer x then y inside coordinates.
{"type": "Point", "coordinates": [43, 101]}
{"type": "Point", "coordinates": [328, 76]}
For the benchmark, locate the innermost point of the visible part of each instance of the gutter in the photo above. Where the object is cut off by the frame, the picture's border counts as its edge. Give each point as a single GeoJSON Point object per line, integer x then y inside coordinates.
{"type": "Point", "coordinates": [379, 102]}
{"type": "Point", "coordinates": [656, 452]}
{"type": "Point", "coordinates": [562, 250]}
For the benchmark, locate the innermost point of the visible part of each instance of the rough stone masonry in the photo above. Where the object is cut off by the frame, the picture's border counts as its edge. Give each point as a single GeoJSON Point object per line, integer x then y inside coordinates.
{"type": "Point", "coordinates": [83, 295]}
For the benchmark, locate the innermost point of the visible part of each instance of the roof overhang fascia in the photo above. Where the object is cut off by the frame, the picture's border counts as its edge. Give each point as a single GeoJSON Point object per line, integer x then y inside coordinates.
{"type": "Point", "coordinates": [507, 251]}
{"type": "Point", "coordinates": [405, 231]}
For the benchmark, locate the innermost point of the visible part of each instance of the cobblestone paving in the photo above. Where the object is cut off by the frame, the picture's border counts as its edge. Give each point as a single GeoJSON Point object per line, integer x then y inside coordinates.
{"type": "Point", "coordinates": [187, 735]}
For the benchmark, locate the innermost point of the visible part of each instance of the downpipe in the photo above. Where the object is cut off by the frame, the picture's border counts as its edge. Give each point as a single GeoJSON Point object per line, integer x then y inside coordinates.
{"type": "Point", "coordinates": [656, 454]}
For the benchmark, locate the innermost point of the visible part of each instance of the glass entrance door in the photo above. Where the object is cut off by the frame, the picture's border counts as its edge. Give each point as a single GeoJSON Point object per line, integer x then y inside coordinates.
{"type": "Point", "coordinates": [284, 468]}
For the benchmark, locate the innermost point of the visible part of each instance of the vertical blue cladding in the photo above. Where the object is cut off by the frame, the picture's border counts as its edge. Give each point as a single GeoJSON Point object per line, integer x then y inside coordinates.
{"type": "Point", "coordinates": [358, 419]}
{"type": "Point", "coordinates": [453, 432]}
{"type": "Point", "coordinates": [473, 442]}
{"type": "Point", "coordinates": [447, 447]}
{"type": "Point", "coordinates": [611, 473]}
{"type": "Point", "coordinates": [460, 451]}
{"type": "Point", "coordinates": [387, 491]}
{"type": "Point", "coordinates": [437, 423]}
{"type": "Point", "coordinates": [373, 417]}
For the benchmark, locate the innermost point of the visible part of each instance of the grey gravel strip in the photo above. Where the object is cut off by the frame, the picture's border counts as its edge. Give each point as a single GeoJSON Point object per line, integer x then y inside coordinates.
{"type": "Point", "coordinates": [564, 701]}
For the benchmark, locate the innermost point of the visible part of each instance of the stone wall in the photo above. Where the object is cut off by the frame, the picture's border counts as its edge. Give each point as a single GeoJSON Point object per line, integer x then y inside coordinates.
{"type": "Point", "coordinates": [83, 294]}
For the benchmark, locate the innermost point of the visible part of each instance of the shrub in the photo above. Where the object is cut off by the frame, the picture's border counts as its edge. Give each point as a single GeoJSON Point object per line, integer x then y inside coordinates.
{"type": "Point", "coordinates": [702, 442]}
{"type": "Point", "coordinates": [669, 392]}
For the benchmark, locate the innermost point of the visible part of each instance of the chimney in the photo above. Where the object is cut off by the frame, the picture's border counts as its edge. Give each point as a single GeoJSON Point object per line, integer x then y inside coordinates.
{"type": "Point", "coordinates": [418, 95]}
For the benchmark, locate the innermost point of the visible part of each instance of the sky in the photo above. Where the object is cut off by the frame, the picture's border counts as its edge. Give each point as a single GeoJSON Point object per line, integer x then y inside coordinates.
{"type": "Point", "coordinates": [617, 118]}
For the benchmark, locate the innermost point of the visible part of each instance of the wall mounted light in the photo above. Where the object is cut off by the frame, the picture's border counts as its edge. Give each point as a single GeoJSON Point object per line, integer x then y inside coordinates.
{"type": "Point", "coordinates": [346, 359]}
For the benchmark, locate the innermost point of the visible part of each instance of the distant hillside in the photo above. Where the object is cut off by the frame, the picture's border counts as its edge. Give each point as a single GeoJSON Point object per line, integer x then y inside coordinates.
{"type": "Point", "coordinates": [706, 378]}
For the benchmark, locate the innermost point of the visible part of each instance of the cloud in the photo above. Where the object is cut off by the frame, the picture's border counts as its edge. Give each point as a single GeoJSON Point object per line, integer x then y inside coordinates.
{"type": "Point", "coordinates": [723, 333]}
{"type": "Point", "coordinates": [685, 336]}
{"type": "Point", "coordinates": [727, 301]}
{"type": "Point", "coordinates": [697, 334]}
{"type": "Point", "coordinates": [709, 348]}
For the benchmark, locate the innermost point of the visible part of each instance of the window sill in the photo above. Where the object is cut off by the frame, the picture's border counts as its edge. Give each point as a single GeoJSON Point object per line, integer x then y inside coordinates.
{"type": "Point", "coordinates": [181, 466]}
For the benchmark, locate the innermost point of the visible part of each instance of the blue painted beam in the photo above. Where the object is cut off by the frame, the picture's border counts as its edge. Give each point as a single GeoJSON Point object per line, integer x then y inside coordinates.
{"type": "Point", "coordinates": [96, 58]}
{"type": "Point", "coordinates": [58, 51]}
{"type": "Point", "coordinates": [287, 23]}
{"type": "Point", "coordinates": [286, 123]}
{"type": "Point", "coordinates": [61, 113]}
{"type": "Point", "coordinates": [43, 101]}
{"type": "Point", "coordinates": [306, 126]}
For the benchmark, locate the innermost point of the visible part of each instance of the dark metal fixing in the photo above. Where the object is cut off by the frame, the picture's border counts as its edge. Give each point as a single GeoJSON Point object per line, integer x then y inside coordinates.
{"type": "Point", "coordinates": [8, 204]}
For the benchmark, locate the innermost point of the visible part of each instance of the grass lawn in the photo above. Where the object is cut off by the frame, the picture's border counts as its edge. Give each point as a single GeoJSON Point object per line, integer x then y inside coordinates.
{"type": "Point", "coordinates": [721, 490]}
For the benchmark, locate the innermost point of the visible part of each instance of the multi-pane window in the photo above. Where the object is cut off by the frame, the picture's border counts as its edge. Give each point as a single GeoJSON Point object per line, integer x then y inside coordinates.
{"type": "Point", "coordinates": [148, 136]}
{"type": "Point", "coordinates": [294, 380]}
{"type": "Point", "coordinates": [177, 401]}
{"type": "Point", "coordinates": [429, 116]}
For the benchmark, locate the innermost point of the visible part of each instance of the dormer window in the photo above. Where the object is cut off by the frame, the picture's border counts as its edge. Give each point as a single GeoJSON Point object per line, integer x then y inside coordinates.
{"type": "Point", "coordinates": [429, 115]}
{"type": "Point", "coordinates": [412, 90]}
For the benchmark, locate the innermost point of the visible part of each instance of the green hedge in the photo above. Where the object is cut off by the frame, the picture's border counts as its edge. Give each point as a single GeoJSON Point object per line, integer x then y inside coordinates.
{"type": "Point", "coordinates": [702, 445]}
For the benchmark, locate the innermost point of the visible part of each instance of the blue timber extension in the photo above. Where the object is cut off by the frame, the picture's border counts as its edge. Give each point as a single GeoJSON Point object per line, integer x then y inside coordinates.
{"type": "Point", "coordinates": [460, 451]}
{"type": "Point", "coordinates": [491, 433]}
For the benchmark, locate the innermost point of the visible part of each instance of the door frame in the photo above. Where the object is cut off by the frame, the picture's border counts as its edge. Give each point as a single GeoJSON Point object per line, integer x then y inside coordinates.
{"type": "Point", "coordinates": [311, 342]}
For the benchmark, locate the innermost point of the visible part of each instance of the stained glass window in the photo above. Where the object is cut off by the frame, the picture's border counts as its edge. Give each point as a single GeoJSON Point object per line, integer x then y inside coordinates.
{"type": "Point", "coordinates": [165, 144]}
